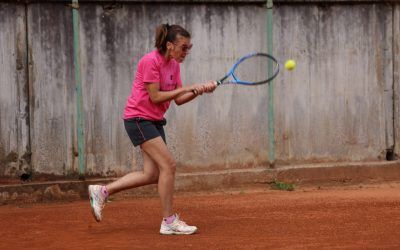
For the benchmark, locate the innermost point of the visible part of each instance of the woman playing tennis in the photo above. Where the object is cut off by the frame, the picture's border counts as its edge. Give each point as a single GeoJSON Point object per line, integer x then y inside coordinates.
{"type": "Point", "coordinates": [156, 84]}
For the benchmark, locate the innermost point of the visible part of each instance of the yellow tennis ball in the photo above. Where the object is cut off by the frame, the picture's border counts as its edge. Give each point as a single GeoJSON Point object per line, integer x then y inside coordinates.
{"type": "Point", "coordinates": [290, 64]}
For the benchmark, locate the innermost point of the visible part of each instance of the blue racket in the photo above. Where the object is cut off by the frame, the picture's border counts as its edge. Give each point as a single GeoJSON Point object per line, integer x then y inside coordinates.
{"type": "Point", "coordinates": [251, 69]}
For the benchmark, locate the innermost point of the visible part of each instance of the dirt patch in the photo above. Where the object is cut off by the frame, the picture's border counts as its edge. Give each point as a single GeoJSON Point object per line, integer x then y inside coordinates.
{"type": "Point", "coordinates": [352, 217]}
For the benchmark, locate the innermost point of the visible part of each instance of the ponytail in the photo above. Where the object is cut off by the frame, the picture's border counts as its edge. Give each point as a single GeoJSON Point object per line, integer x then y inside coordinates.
{"type": "Point", "coordinates": [161, 37]}
{"type": "Point", "coordinates": [167, 33]}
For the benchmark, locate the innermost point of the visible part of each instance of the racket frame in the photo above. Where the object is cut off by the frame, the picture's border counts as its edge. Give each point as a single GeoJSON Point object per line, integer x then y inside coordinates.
{"type": "Point", "coordinates": [238, 81]}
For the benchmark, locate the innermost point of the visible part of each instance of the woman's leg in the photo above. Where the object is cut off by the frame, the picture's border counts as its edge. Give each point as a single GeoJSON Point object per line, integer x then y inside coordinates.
{"type": "Point", "coordinates": [98, 193]}
{"type": "Point", "coordinates": [149, 175]}
{"type": "Point", "coordinates": [159, 165]}
{"type": "Point", "coordinates": [171, 223]}
{"type": "Point", "coordinates": [158, 151]}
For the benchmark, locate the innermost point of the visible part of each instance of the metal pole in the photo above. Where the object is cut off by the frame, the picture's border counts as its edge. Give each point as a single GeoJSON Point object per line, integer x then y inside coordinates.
{"type": "Point", "coordinates": [79, 98]}
{"type": "Point", "coordinates": [271, 131]}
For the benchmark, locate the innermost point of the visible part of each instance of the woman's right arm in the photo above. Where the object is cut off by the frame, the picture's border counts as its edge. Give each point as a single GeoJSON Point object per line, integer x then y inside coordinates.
{"type": "Point", "coordinates": [157, 96]}
{"type": "Point", "coordinates": [200, 89]}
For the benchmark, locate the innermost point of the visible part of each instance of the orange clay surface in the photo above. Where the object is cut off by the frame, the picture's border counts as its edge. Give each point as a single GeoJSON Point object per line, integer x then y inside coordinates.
{"type": "Point", "coordinates": [351, 217]}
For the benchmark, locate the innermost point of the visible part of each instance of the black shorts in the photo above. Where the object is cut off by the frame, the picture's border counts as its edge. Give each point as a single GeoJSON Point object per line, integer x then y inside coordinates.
{"type": "Point", "coordinates": [141, 130]}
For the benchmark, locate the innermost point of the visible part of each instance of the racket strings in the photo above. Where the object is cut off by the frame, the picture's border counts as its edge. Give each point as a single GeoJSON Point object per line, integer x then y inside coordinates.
{"type": "Point", "coordinates": [254, 69]}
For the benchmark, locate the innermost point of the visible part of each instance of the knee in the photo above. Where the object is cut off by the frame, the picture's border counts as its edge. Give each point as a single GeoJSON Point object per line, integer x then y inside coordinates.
{"type": "Point", "coordinates": [170, 167]}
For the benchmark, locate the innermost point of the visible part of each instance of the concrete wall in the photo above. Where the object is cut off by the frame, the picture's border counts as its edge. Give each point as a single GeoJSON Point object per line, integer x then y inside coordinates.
{"type": "Point", "coordinates": [14, 91]}
{"type": "Point", "coordinates": [336, 106]}
{"type": "Point", "coordinates": [396, 77]}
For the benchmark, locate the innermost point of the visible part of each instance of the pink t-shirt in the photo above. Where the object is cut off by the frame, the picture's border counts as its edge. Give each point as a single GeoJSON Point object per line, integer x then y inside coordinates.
{"type": "Point", "coordinates": [152, 68]}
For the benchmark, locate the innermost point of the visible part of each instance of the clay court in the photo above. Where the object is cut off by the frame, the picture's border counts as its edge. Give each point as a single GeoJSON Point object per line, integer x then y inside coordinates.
{"type": "Point", "coordinates": [351, 217]}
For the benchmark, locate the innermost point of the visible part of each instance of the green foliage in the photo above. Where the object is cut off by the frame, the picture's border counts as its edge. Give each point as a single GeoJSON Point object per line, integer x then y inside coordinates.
{"type": "Point", "coordinates": [278, 185]}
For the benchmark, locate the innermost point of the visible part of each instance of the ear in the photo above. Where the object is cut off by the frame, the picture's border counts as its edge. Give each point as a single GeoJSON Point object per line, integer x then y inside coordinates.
{"type": "Point", "coordinates": [169, 45]}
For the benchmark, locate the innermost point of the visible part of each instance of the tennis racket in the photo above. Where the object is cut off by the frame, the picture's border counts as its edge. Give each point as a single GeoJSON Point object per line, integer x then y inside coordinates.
{"type": "Point", "coordinates": [251, 69]}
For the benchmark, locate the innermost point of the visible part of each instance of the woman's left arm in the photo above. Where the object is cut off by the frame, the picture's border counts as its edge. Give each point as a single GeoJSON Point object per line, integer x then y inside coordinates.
{"type": "Point", "coordinates": [184, 98]}
{"type": "Point", "coordinates": [187, 97]}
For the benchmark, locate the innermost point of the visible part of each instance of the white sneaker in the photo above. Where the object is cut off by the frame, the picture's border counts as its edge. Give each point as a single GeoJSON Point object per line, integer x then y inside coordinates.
{"type": "Point", "coordinates": [177, 227]}
{"type": "Point", "coordinates": [97, 202]}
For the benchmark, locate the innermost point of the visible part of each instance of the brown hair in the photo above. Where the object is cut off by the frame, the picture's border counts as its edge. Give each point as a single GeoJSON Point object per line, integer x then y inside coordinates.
{"type": "Point", "coordinates": [167, 33]}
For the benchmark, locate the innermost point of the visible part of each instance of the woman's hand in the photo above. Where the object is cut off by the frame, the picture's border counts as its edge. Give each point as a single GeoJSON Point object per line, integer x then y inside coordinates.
{"type": "Point", "coordinates": [197, 89]}
{"type": "Point", "coordinates": [210, 86]}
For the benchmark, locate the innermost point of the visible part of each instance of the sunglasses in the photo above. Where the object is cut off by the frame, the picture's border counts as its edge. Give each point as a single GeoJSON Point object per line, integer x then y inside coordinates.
{"type": "Point", "coordinates": [185, 48]}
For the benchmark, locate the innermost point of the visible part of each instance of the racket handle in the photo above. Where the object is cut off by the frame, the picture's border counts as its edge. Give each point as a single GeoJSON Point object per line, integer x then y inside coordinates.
{"type": "Point", "coordinates": [218, 83]}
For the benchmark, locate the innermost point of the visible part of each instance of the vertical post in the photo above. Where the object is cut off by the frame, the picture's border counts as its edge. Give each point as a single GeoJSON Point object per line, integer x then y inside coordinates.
{"type": "Point", "coordinates": [271, 131]}
{"type": "Point", "coordinates": [78, 85]}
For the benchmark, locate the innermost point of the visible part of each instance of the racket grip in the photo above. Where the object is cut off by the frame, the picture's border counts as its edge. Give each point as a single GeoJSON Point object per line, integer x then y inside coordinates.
{"type": "Point", "coordinates": [217, 83]}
